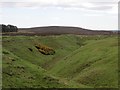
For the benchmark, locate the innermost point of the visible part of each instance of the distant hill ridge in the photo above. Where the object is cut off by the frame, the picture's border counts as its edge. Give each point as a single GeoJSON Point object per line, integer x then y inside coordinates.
{"type": "Point", "coordinates": [65, 30]}
{"type": "Point", "coordinates": [58, 30]}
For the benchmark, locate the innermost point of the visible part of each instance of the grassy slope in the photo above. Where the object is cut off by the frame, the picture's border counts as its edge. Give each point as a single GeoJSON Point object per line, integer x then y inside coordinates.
{"type": "Point", "coordinates": [21, 73]}
{"type": "Point", "coordinates": [79, 61]}
{"type": "Point", "coordinates": [94, 64]}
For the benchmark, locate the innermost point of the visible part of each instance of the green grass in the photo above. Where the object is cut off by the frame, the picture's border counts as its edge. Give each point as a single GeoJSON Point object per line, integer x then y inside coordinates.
{"type": "Point", "coordinates": [79, 61]}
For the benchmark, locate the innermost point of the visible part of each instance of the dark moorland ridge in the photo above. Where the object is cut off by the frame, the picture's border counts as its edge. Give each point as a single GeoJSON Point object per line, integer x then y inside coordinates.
{"type": "Point", "coordinates": [58, 30]}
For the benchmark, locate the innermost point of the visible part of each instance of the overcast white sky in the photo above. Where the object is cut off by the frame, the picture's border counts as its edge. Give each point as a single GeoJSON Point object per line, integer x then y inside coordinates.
{"type": "Point", "coordinates": [91, 14]}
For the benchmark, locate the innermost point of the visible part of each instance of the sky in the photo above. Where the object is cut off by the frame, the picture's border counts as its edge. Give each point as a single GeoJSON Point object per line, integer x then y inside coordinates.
{"type": "Point", "coordinates": [90, 14]}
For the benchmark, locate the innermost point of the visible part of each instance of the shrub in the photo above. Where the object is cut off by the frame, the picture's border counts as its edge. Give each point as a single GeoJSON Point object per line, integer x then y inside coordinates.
{"type": "Point", "coordinates": [5, 52]}
{"type": "Point", "coordinates": [8, 28]}
{"type": "Point", "coordinates": [45, 49]}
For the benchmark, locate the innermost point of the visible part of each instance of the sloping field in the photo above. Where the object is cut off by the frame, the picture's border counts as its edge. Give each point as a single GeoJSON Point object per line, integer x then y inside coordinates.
{"type": "Point", "coordinates": [79, 61]}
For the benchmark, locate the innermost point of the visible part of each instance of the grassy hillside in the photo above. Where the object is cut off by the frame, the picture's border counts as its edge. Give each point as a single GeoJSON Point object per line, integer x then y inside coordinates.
{"type": "Point", "coordinates": [79, 61]}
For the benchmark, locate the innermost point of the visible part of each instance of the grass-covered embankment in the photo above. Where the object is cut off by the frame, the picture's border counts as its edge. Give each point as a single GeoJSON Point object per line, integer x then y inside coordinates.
{"type": "Point", "coordinates": [79, 61]}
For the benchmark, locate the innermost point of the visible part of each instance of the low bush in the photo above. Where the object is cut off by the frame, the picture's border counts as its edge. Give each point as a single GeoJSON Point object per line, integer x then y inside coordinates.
{"type": "Point", "coordinates": [45, 49]}
{"type": "Point", "coordinates": [5, 52]}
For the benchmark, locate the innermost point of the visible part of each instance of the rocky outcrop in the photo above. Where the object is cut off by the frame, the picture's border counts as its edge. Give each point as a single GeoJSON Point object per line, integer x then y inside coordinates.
{"type": "Point", "coordinates": [8, 28]}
